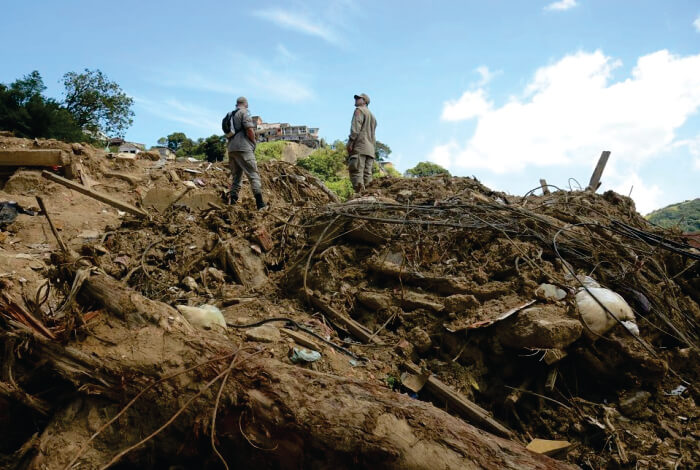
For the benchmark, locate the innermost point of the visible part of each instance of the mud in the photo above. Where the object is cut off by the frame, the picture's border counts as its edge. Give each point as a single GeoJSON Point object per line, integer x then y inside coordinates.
{"type": "Point", "coordinates": [443, 271]}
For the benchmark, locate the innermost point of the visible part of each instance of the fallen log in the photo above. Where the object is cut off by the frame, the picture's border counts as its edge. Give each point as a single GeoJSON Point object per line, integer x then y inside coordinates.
{"type": "Point", "coordinates": [440, 284]}
{"type": "Point", "coordinates": [270, 414]}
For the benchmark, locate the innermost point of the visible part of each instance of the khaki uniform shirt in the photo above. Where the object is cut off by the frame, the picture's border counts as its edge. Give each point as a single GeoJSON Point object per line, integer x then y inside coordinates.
{"type": "Point", "coordinates": [362, 129]}
{"type": "Point", "coordinates": [240, 141]}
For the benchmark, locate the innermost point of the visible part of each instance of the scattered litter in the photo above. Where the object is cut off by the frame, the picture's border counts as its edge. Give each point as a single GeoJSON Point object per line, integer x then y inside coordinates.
{"type": "Point", "coordinates": [9, 210]}
{"type": "Point", "coordinates": [303, 355]}
{"type": "Point", "coordinates": [597, 319]}
{"type": "Point", "coordinates": [550, 292]}
{"type": "Point", "coordinates": [677, 391]}
{"type": "Point", "coordinates": [199, 182]}
{"type": "Point", "coordinates": [194, 172]}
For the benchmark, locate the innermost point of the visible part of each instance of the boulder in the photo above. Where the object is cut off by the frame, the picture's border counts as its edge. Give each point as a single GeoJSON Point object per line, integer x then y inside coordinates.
{"type": "Point", "coordinates": [545, 327]}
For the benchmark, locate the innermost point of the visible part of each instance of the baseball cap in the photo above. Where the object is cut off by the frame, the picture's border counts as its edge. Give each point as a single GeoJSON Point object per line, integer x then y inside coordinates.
{"type": "Point", "coordinates": [363, 96]}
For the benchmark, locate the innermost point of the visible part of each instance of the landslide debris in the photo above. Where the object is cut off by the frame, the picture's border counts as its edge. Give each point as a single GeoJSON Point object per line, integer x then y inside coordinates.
{"type": "Point", "coordinates": [441, 272]}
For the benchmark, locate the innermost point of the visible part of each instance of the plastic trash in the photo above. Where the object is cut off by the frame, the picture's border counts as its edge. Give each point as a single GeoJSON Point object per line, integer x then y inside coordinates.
{"type": "Point", "coordinates": [9, 210]}
{"type": "Point", "coordinates": [205, 316]}
{"type": "Point", "coordinates": [304, 355]}
{"type": "Point", "coordinates": [597, 319]}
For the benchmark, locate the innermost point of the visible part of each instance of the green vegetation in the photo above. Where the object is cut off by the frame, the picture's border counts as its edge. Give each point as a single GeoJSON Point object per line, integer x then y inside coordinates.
{"type": "Point", "coordinates": [96, 103]}
{"type": "Point", "coordinates": [26, 112]}
{"type": "Point", "coordinates": [381, 151]}
{"type": "Point", "coordinates": [266, 151]}
{"type": "Point", "coordinates": [684, 215]}
{"type": "Point", "coordinates": [426, 169]}
{"type": "Point", "coordinates": [92, 105]}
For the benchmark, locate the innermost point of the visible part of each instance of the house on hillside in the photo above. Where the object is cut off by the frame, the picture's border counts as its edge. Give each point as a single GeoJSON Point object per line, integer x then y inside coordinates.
{"type": "Point", "coordinates": [164, 152]}
{"type": "Point", "coordinates": [131, 147]}
{"type": "Point", "coordinates": [273, 131]}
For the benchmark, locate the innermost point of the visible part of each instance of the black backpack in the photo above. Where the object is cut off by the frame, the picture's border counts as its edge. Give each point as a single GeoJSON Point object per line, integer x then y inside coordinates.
{"type": "Point", "coordinates": [226, 122]}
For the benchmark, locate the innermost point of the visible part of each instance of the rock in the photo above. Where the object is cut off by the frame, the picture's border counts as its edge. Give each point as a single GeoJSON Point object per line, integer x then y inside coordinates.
{"type": "Point", "coordinates": [461, 302]}
{"type": "Point", "coordinates": [205, 317]}
{"type": "Point", "coordinates": [374, 300]}
{"type": "Point", "coordinates": [190, 283]}
{"type": "Point", "coordinates": [633, 404]}
{"type": "Point", "coordinates": [545, 327]}
{"type": "Point", "coordinates": [549, 292]}
{"type": "Point", "coordinates": [217, 274]}
{"type": "Point", "coordinates": [264, 334]}
{"type": "Point", "coordinates": [420, 339]}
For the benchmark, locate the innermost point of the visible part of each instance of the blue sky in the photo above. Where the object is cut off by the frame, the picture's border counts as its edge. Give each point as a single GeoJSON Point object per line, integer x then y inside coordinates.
{"type": "Point", "coordinates": [508, 91]}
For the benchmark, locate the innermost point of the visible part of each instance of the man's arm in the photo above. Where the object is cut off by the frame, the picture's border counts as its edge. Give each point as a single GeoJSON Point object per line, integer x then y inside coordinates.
{"type": "Point", "coordinates": [355, 127]}
{"type": "Point", "coordinates": [249, 127]}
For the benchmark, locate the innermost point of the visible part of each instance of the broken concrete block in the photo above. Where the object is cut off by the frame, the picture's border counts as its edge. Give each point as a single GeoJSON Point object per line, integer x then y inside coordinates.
{"type": "Point", "coordinates": [545, 327]}
{"type": "Point", "coordinates": [264, 334]}
{"type": "Point", "coordinates": [461, 302]}
{"type": "Point", "coordinates": [633, 404]}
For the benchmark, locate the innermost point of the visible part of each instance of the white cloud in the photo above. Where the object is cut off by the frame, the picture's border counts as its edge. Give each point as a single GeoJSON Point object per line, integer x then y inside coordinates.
{"type": "Point", "coordinates": [470, 105]}
{"type": "Point", "coordinates": [300, 23]}
{"type": "Point", "coordinates": [260, 80]}
{"type": "Point", "coordinates": [174, 110]}
{"type": "Point", "coordinates": [285, 53]}
{"type": "Point", "coordinates": [561, 5]}
{"type": "Point", "coordinates": [572, 110]}
{"type": "Point", "coordinates": [696, 23]}
{"type": "Point", "coordinates": [646, 197]}
{"type": "Point", "coordinates": [693, 146]}
{"type": "Point", "coordinates": [486, 75]}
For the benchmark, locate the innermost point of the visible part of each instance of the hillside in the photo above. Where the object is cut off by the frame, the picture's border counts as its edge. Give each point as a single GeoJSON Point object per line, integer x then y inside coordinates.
{"type": "Point", "coordinates": [685, 215]}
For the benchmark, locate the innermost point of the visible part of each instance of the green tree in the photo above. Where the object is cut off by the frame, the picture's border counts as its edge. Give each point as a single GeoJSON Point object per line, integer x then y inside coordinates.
{"type": "Point", "coordinates": [381, 151]}
{"type": "Point", "coordinates": [684, 215]}
{"type": "Point", "coordinates": [426, 169]}
{"type": "Point", "coordinates": [213, 147]}
{"type": "Point", "coordinates": [326, 163]}
{"type": "Point", "coordinates": [179, 141]}
{"type": "Point", "coordinates": [27, 113]}
{"type": "Point", "coordinates": [163, 141]}
{"type": "Point", "coordinates": [96, 103]}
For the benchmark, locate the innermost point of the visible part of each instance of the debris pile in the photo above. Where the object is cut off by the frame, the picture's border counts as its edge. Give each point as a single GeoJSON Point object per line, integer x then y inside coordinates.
{"type": "Point", "coordinates": [427, 323]}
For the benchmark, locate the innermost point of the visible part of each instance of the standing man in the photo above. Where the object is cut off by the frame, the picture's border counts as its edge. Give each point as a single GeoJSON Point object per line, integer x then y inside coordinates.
{"type": "Point", "coordinates": [361, 144]}
{"type": "Point", "coordinates": [241, 153]}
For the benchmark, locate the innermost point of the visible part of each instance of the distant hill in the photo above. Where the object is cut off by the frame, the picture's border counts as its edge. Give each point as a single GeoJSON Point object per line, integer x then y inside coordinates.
{"type": "Point", "coordinates": [687, 213]}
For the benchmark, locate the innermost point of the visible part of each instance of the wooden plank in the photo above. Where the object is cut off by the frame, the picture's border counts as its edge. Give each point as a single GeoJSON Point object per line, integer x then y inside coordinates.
{"type": "Point", "coordinates": [94, 194]}
{"type": "Point", "coordinates": [27, 157]}
{"type": "Point", "coordinates": [543, 184]}
{"type": "Point", "coordinates": [471, 411]}
{"type": "Point", "coordinates": [300, 339]}
{"type": "Point", "coordinates": [61, 245]}
{"type": "Point", "coordinates": [594, 184]}
{"type": "Point", "coordinates": [355, 329]}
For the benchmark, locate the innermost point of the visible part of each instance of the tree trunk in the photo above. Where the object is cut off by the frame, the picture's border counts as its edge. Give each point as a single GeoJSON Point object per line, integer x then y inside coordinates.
{"type": "Point", "coordinates": [270, 414]}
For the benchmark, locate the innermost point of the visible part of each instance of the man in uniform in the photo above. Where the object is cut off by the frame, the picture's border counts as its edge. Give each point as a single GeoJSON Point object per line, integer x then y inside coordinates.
{"type": "Point", "coordinates": [361, 144]}
{"type": "Point", "coordinates": [241, 153]}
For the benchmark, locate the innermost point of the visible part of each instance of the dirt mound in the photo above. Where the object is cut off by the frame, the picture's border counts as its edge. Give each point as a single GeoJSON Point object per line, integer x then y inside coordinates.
{"type": "Point", "coordinates": [329, 308]}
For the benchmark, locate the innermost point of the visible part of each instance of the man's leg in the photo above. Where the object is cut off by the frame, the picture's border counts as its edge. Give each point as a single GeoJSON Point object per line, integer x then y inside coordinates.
{"type": "Point", "coordinates": [369, 167]}
{"type": "Point", "coordinates": [355, 171]}
{"type": "Point", "coordinates": [250, 167]}
{"type": "Point", "coordinates": [236, 174]}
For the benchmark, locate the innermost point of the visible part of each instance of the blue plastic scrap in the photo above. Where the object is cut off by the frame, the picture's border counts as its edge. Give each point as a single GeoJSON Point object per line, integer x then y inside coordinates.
{"type": "Point", "coordinates": [304, 355]}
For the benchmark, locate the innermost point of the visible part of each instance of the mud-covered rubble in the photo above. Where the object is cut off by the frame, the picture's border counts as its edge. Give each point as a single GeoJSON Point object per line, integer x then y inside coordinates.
{"type": "Point", "coordinates": [474, 286]}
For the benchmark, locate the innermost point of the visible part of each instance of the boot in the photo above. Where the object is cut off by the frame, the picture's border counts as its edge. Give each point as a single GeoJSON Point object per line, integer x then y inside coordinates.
{"type": "Point", "coordinates": [259, 201]}
{"type": "Point", "coordinates": [233, 197]}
